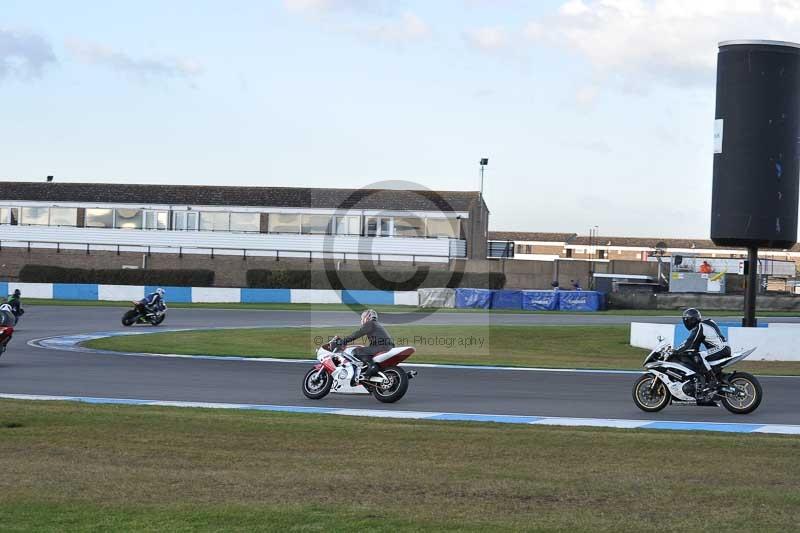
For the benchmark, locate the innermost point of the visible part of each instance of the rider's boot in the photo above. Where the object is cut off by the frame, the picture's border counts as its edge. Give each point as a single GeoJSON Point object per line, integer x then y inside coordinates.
{"type": "Point", "coordinates": [372, 369]}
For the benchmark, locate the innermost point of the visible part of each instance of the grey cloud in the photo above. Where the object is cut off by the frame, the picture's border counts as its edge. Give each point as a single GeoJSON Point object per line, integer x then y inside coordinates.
{"type": "Point", "coordinates": [24, 55]}
{"type": "Point", "coordinates": [143, 68]}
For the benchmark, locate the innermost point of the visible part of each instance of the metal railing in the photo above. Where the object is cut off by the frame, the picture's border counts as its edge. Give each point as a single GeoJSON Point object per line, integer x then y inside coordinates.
{"type": "Point", "coordinates": [293, 253]}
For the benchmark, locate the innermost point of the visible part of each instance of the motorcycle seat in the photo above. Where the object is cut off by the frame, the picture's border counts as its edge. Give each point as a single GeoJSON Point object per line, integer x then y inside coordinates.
{"type": "Point", "coordinates": [397, 351]}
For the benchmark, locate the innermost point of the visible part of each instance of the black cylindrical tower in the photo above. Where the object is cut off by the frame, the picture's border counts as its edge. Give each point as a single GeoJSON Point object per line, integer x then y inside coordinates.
{"type": "Point", "coordinates": [756, 145]}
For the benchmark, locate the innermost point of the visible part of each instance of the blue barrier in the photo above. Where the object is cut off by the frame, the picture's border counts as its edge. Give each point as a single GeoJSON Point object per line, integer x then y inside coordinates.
{"type": "Point", "coordinates": [3, 289]}
{"type": "Point", "coordinates": [473, 298]}
{"type": "Point", "coordinates": [580, 300]}
{"type": "Point", "coordinates": [70, 291]}
{"type": "Point", "coordinates": [174, 294]}
{"type": "Point", "coordinates": [368, 297]}
{"type": "Point", "coordinates": [540, 300]}
{"type": "Point", "coordinates": [262, 296]}
{"type": "Point", "coordinates": [507, 299]}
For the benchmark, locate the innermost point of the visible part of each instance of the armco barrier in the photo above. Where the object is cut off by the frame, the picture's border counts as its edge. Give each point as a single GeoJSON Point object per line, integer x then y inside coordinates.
{"type": "Point", "coordinates": [540, 300]}
{"type": "Point", "coordinates": [580, 300]}
{"type": "Point", "coordinates": [473, 298]}
{"type": "Point", "coordinates": [528, 300]}
{"type": "Point", "coordinates": [127, 293]}
{"type": "Point", "coordinates": [434, 298]}
{"type": "Point", "coordinates": [506, 299]}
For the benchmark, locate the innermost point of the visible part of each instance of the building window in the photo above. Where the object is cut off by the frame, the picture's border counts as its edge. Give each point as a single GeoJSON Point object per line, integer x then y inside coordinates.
{"type": "Point", "coordinates": [63, 216]}
{"type": "Point", "coordinates": [379, 227]}
{"type": "Point", "coordinates": [184, 220]}
{"type": "Point", "coordinates": [569, 253]}
{"type": "Point", "coordinates": [601, 254]}
{"type": "Point", "coordinates": [520, 249]}
{"type": "Point", "coordinates": [246, 222]}
{"type": "Point", "coordinates": [35, 216]}
{"type": "Point", "coordinates": [349, 225]}
{"type": "Point", "coordinates": [443, 227]}
{"type": "Point", "coordinates": [9, 215]}
{"type": "Point", "coordinates": [158, 220]}
{"type": "Point", "coordinates": [129, 218]}
{"type": "Point", "coordinates": [316, 224]}
{"type": "Point", "coordinates": [409, 227]}
{"type": "Point", "coordinates": [215, 221]}
{"type": "Point", "coordinates": [99, 218]}
{"type": "Point", "coordinates": [284, 223]}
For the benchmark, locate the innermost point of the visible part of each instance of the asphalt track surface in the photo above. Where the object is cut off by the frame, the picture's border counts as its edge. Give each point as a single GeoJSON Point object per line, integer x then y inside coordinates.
{"type": "Point", "coordinates": [31, 370]}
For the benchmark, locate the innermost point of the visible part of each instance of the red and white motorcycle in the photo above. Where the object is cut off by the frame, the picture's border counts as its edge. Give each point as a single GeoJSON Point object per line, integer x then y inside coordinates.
{"type": "Point", "coordinates": [340, 371]}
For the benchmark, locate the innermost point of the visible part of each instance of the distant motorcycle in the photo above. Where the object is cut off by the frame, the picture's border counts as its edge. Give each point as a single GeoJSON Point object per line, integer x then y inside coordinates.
{"type": "Point", "coordinates": [340, 371]}
{"type": "Point", "coordinates": [671, 378]}
{"type": "Point", "coordinates": [6, 332]}
{"type": "Point", "coordinates": [140, 314]}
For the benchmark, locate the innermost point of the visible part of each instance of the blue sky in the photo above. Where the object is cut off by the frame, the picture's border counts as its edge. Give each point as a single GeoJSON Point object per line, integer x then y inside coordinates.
{"type": "Point", "coordinates": [592, 112]}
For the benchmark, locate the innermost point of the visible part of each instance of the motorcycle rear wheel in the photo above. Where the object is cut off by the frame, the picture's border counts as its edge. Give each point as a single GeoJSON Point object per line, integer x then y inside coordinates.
{"type": "Point", "coordinates": [647, 400]}
{"type": "Point", "coordinates": [129, 318]}
{"type": "Point", "coordinates": [395, 389]}
{"type": "Point", "coordinates": [751, 390]}
{"type": "Point", "coordinates": [319, 388]}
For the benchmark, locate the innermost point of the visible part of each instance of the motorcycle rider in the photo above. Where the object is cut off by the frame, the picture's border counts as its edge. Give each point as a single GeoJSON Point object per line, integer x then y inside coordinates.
{"type": "Point", "coordinates": [703, 334]}
{"type": "Point", "coordinates": [154, 302]}
{"type": "Point", "coordinates": [7, 315]}
{"type": "Point", "coordinates": [15, 302]}
{"type": "Point", "coordinates": [379, 341]}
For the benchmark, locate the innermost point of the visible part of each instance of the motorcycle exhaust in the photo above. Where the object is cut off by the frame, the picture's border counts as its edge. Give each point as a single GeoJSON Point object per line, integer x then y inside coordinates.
{"type": "Point", "coordinates": [411, 374]}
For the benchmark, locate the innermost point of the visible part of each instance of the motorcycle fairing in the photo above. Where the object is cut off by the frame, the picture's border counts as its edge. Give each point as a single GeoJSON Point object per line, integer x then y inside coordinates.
{"type": "Point", "coordinates": [675, 387]}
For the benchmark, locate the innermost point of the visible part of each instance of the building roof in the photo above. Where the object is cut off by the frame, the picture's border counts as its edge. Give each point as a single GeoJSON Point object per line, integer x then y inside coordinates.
{"type": "Point", "coordinates": [642, 242]}
{"type": "Point", "coordinates": [530, 236]}
{"type": "Point", "coordinates": [296, 197]}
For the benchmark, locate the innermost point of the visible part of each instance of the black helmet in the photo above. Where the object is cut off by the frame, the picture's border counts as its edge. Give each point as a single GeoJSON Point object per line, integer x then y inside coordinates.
{"type": "Point", "coordinates": [17, 292]}
{"type": "Point", "coordinates": [691, 317]}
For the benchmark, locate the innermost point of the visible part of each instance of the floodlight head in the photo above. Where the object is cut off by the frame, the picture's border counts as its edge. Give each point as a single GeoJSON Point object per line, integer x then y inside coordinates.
{"type": "Point", "coordinates": [484, 161]}
{"type": "Point", "coordinates": [49, 179]}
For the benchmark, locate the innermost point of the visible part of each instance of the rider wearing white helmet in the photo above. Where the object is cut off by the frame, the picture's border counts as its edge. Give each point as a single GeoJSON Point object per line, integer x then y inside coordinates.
{"type": "Point", "coordinates": [155, 300]}
{"type": "Point", "coordinates": [379, 340]}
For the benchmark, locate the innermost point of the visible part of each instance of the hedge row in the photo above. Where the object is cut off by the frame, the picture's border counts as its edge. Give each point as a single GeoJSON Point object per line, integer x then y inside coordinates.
{"type": "Point", "coordinates": [384, 279]}
{"type": "Point", "coordinates": [53, 274]}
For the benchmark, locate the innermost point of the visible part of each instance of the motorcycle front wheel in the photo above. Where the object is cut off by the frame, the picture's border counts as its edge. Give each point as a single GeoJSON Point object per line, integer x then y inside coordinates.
{"type": "Point", "coordinates": [649, 396]}
{"type": "Point", "coordinates": [129, 318]}
{"type": "Point", "coordinates": [317, 384]}
{"type": "Point", "coordinates": [393, 388]}
{"type": "Point", "coordinates": [158, 320]}
{"type": "Point", "coordinates": [748, 397]}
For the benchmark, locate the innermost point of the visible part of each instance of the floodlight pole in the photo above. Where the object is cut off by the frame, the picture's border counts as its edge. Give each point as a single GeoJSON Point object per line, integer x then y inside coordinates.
{"type": "Point", "coordinates": [749, 320]}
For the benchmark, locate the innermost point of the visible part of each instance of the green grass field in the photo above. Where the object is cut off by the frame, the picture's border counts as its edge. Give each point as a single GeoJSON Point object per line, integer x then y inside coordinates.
{"type": "Point", "coordinates": [539, 346]}
{"type": "Point", "coordinates": [78, 467]}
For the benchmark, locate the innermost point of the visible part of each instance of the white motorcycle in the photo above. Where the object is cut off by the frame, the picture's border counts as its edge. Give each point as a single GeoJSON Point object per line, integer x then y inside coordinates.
{"type": "Point", "coordinates": [671, 378]}
{"type": "Point", "coordinates": [340, 371]}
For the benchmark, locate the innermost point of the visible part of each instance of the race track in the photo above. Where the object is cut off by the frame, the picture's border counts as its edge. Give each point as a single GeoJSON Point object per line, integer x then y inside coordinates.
{"type": "Point", "coordinates": [31, 370]}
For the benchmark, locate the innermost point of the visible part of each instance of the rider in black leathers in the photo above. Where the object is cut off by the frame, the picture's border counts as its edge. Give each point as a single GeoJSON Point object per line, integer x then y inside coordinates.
{"type": "Point", "coordinates": [705, 343]}
{"type": "Point", "coordinates": [379, 340]}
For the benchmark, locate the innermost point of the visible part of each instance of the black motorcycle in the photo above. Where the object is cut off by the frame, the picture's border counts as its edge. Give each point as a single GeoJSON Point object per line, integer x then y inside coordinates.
{"type": "Point", "coordinates": [140, 314]}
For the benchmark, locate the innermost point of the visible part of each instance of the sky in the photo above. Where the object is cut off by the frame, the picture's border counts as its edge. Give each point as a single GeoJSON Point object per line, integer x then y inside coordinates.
{"type": "Point", "coordinates": [591, 112]}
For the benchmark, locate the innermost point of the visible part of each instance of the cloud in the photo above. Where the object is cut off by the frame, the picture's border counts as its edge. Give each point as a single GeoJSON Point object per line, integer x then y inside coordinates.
{"type": "Point", "coordinates": [24, 55]}
{"type": "Point", "coordinates": [143, 68]}
{"type": "Point", "coordinates": [317, 7]}
{"type": "Point", "coordinates": [669, 41]}
{"type": "Point", "coordinates": [490, 38]}
{"type": "Point", "coordinates": [408, 28]}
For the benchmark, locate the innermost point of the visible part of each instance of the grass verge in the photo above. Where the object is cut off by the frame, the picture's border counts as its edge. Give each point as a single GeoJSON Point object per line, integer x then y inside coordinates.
{"type": "Point", "coordinates": [400, 308]}
{"type": "Point", "coordinates": [84, 467]}
{"type": "Point", "coordinates": [602, 347]}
